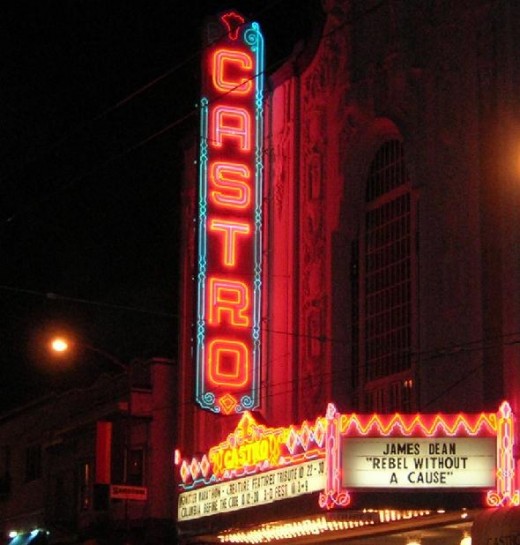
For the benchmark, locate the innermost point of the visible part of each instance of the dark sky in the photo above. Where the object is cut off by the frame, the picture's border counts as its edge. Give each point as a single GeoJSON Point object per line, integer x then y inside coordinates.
{"type": "Point", "coordinates": [94, 98]}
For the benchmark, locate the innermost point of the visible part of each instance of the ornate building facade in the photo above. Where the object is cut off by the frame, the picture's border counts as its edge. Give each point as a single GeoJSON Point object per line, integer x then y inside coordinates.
{"type": "Point", "coordinates": [390, 191]}
{"type": "Point", "coordinates": [391, 252]}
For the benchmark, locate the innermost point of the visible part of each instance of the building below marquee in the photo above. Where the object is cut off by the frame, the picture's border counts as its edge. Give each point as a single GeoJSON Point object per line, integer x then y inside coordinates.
{"type": "Point", "coordinates": [390, 244]}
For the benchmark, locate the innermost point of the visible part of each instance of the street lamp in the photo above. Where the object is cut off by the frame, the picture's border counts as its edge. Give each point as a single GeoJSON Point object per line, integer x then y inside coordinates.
{"type": "Point", "coordinates": [62, 345]}
{"type": "Point", "coordinates": [59, 344]}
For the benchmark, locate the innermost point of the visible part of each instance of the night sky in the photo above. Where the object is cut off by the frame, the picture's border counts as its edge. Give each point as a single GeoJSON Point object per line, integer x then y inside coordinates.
{"type": "Point", "coordinates": [95, 97]}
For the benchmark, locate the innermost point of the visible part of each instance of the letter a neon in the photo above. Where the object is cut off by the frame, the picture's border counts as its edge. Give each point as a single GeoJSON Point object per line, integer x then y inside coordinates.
{"type": "Point", "coordinates": [231, 122]}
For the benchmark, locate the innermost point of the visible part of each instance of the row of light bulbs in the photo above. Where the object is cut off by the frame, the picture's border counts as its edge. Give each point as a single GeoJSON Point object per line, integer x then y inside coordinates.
{"type": "Point", "coordinates": [319, 525]}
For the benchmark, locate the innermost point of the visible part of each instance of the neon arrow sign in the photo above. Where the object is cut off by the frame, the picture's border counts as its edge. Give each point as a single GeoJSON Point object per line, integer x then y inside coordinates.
{"type": "Point", "coordinates": [230, 219]}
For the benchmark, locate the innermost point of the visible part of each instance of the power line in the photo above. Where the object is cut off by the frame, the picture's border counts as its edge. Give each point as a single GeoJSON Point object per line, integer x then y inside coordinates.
{"type": "Point", "coordinates": [482, 344]}
{"type": "Point", "coordinates": [113, 306]}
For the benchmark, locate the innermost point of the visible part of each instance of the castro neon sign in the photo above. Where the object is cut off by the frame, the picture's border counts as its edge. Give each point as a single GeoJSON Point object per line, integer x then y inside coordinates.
{"type": "Point", "coordinates": [230, 219]}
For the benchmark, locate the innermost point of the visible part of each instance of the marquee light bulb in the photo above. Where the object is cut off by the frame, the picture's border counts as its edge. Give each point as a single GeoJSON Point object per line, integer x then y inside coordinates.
{"type": "Point", "coordinates": [466, 539]}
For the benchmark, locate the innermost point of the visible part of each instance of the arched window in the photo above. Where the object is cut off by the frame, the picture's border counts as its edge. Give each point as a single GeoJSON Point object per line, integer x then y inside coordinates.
{"type": "Point", "coordinates": [385, 293]}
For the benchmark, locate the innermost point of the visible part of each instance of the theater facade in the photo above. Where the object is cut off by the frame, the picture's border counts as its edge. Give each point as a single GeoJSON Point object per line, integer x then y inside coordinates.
{"type": "Point", "coordinates": [349, 324]}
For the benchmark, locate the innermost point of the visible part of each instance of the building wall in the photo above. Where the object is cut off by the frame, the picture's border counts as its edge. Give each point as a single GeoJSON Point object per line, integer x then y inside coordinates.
{"type": "Point", "coordinates": [417, 73]}
{"type": "Point", "coordinates": [60, 494]}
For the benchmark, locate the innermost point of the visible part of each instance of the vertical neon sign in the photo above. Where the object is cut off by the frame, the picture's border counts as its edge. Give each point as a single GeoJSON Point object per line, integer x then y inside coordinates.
{"type": "Point", "coordinates": [230, 219]}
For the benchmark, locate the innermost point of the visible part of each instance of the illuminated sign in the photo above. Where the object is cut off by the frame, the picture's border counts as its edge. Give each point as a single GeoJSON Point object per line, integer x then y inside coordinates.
{"type": "Point", "coordinates": [253, 491]}
{"type": "Point", "coordinates": [419, 463]}
{"type": "Point", "coordinates": [230, 219]}
{"type": "Point", "coordinates": [128, 492]}
{"type": "Point", "coordinates": [420, 451]}
{"type": "Point", "coordinates": [339, 453]}
{"type": "Point", "coordinates": [251, 446]}
{"type": "Point", "coordinates": [254, 448]}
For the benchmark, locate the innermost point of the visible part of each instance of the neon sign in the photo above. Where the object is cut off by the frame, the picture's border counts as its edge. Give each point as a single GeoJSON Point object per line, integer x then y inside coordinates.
{"type": "Point", "coordinates": [230, 220]}
{"type": "Point", "coordinates": [256, 464]}
{"type": "Point", "coordinates": [252, 449]}
{"type": "Point", "coordinates": [413, 462]}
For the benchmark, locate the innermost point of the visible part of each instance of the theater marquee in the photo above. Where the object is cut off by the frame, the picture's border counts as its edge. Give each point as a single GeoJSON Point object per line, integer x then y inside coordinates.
{"type": "Point", "coordinates": [340, 456]}
{"type": "Point", "coordinates": [459, 452]}
{"type": "Point", "coordinates": [254, 466]}
{"type": "Point", "coordinates": [253, 491]}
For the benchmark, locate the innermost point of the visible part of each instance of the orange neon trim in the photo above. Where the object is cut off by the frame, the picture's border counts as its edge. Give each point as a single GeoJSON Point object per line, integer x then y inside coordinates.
{"type": "Point", "coordinates": [228, 363]}
{"type": "Point", "coordinates": [231, 183]}
{"type": "Point", "coordinates": [231, 298]}
{"type": "Point", "coordinates": [227, 61]}
{"type": "Point", "coordinates": [426, 425]}
{"type": "Point", "coordinates": [233, 123]}
{"type": "Point", "coordinates": [230, 230]}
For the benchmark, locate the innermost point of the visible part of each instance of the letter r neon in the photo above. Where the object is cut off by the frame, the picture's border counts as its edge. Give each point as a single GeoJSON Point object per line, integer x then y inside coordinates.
{"type": "Point", "coordinates": [229, 297]}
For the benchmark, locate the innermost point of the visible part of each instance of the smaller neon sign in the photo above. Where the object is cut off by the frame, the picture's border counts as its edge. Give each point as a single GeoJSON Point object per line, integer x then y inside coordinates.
{"type": "Point", "coordinates": [254, 448]}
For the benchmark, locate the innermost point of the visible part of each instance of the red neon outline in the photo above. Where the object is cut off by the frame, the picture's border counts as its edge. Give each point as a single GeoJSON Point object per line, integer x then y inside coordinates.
{"type": "Point", "coordinates": [505, 493]}
{"type": "Point", "coordinates": [231, 297]}
{"type": "Point", "coordinates": [232, 21]}
{"type": "Point", "coordinates": [238, 129]}
{"type": "Point", "coordinates": [237, 349]}
{"type": "Point", "coordinates": [233, 177]}
{"type": "Point", "coordinates": [220, 79]}
{"type": "Point", "coordinates": [229, 231]}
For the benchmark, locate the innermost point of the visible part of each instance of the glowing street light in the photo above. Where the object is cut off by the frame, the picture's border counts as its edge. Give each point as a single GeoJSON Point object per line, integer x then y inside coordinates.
{"type": "Point", "coordinates": [59, 344]}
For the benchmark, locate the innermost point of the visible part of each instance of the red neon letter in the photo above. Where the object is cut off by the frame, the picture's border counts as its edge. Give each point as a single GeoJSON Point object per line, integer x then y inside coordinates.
{"type": "Point", "coordinates": [222, 79]}
{"type": "Point", "coordinates": [231, 184]}
{"type": "Point", "coordinates": [231, 122]}
{"type": "Point", "coordinates": [230, 230]}
{"type": "Point", "coordinates": [228, 363]}
{"type": "Point", "coordinates": [228, 297]}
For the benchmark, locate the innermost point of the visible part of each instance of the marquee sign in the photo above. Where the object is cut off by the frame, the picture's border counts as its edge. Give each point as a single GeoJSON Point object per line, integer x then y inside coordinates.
{"type": "Point", "coordinates": [252, 491]}
{"type": "Point", "coordinates": [419, 462]}
{"type": "Point", "coordinates": [418, 452]}
{"type": "Point", "coordinates": [255, 465]}
{"type": "Point", "coordinates": [230, 218]}
{"type": "Point", "coordinates": [342, 453]}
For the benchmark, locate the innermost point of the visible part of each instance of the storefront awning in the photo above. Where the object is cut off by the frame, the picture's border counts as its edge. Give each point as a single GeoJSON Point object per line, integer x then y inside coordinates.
{"type": "Point", "coordinates": [499, 526]}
